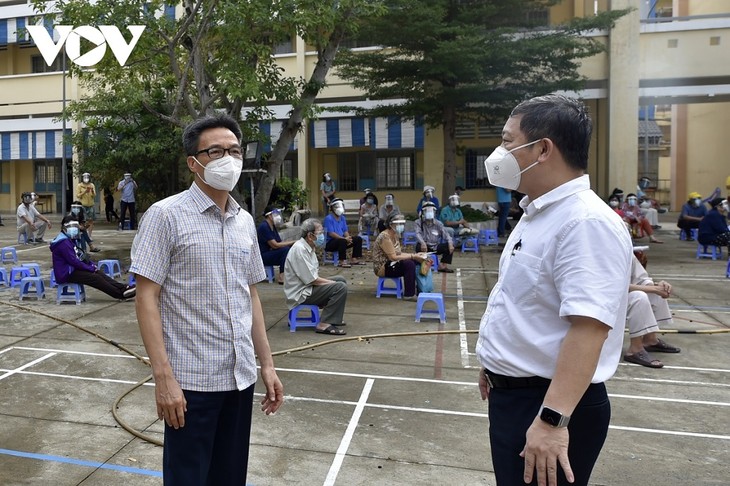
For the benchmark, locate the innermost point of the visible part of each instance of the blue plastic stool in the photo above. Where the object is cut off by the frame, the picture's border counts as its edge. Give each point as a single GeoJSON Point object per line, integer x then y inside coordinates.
{"type": "Point", "coordinates": [132, 281]}
{"type": "Point", "coordinates": [692, 232]}
{"type": "Point", "coordinates": [702, 251]}
{"type": "Point", "coordinates": [387, 290]}
{"type": "Point", "coordinates": [488, 237]}
{"type": "Point", "coordinates": [8, 255]}
{"type": "Point", "coordinates": [17, 274]}
{"type": "Point", "coordinates": [295, 320]}
{"type": "Point", "coordinates": [32, 287]}
{"type": "Point", "coordinates": [409, 238]}
{"type": "Point", "coordinates": [35, 269]}
{"type": "Point", "coordinates": [70, 292]}
{"type": "Point", "coordinates": [3, 277]}
{"type": "Point", "coordinates": [111, 267]}
{"type": "Point", "coordinates": [438, 299]}
{"type": "Point", "coordinates": [54, 284]}
{"type": "Point", "coordinates": [334, 260]}
{"type": "Point", "coordinates": [269, 273]}
{"type": "Point", "coordinates": [365, 241]}
{"type": "Point", "coordinates": [727, 272]}
{"type": "Point", "coordinates": [470, 243]}
{"type": "Point", "coordinates": [24, 237]}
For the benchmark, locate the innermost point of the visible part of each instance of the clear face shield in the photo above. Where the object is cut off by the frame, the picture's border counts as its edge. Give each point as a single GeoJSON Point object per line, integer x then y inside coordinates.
{"type": "Point", "coordinates": [338, 208]}
{"type": "Point", "coordinates": [454, 201]}
{"type": "Point", "coordinates": [275, 216]}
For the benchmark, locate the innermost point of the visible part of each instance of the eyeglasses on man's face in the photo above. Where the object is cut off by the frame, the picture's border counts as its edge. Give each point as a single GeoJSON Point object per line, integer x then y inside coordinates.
{"type": "Point", "coordinates": [217, 152]}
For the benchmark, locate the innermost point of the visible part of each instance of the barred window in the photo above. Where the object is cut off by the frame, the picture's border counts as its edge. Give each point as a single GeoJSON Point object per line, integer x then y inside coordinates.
{"type": "Point", "coordinates": [476, 173]}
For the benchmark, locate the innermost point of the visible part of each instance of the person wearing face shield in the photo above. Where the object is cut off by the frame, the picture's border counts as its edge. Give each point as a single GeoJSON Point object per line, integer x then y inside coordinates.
{"type": "Point", "coordinates": [369, 194]}
{"type": "Point", "coordinates": [634, 216]}
{"type": "Point", "coordinates": [548, 340]}
{"type": "Point", "coordinates": [127, 186]}
{"type": "Point", "coordinates": [713, 229]}
{"type": "Point", "coordinates": [390, 261]}
{"type": "Point", "coordinates": [30, 222]}
{"type": "Point", "coordinates": [691, 214]}
{"type": "Point", "coordinates": [368, 220]}
{"type": "Point", "coordinates": [431, 236]}
{"type": "Point", "coordinates": [84, 239]}
{"type": "Point", "coordinates": [453, 219]}
{"type": "Point", "coordinates": [197, 262]}
{"type": "Point", "coordinates": [338, 237]}
{"type": "Point", "coordinates": [68, 266]}
{"type": "Point", "coordinates": [273, 250]}
{"type": "Point", "coordinates": [303, 285]}
{"type": "Point", "coordinates": [429, 195]}
{"type": "Point", "coordinates": [388, 207]}
{"type": "Point", "coordinates": [328, 190]}
{"type": "Point", "coordinates": [86, 193]}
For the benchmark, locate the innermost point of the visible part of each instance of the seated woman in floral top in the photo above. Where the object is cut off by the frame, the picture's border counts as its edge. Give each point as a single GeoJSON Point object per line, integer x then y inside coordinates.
{"type": "Point", "coordinates": [389, 261]}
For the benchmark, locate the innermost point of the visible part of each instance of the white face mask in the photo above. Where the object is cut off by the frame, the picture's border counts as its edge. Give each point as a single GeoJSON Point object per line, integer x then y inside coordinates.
{"type": "Point", "coordinates": [339, 210]}
{"type": "Point", "coordinates": [613, 203]}
{"type": "Point", "coordinates": [86, 180]}
{"type": "Point", "coordinates": [503, 169]}
{"type": "Point", "coordinates": [429, 213]}
{"type": "Point", "coordinates": [277, 219]}
{"type": "Point", "coordinates": [223, 173]}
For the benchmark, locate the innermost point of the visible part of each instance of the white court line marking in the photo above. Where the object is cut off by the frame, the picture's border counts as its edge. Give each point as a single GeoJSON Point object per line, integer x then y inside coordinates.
{"type": "Point", "coordinates": [86, 353]}
{"type": "Point", "coordinates": [669, 432]}
{"type": "Point", "coordinates": [462, 321]}
{"type": "Point", "coordinates": [81, 378]}
{"type": "Point", "coordinates": [345, 443]}
{"type": "Point", "coordinates": [672, 400]}
{"type": "Point", "coordinates": [671, 382]}
{"type": "Point", "coordinates": [27, 365]}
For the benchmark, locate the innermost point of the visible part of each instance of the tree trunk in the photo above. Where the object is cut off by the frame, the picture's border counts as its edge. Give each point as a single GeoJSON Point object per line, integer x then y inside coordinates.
{"type": "Point", "coordinates": [449, 128]}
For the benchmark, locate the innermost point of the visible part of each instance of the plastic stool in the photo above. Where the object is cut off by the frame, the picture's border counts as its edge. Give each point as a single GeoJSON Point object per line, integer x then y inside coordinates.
{"type": "Point", "coordinates": [3, 277]}
{"type": "Point", "coordinates": [365, 241]}
{"type": "Point", "coordinates": [470, 243]}
{"type": "Point", "coordinates": [35, 269]}
{"type": "Point", "coordinates": [132, 282]}
{"type": "Point", "coordinates": [24, 237]}
{"type": "Point", "coordinates": [386, 290]}
{"type": "Point", "coordinates": [488, 237]}
{"type": "Point", "coordinates": [17, 274]}
{"type": "Point", "coordinates": [438, 299]}
{"type": "Point", "coordinates": [409, 238]}
{"type": "Point", "coordinates": [692, 233]}
{"type": "Point", "coordinates": [269, 273]}
{"type": "Point", "coordinates": [334, 260]}
{"type": "Point", "coordinates": [8, 255]}
{"type": "Point", "coordinates": [70, 292]}
{"type": "Point", "coordinates": [295, 320]}
{"type": "Point", "coordinates": [32, 287]}
{"type": "Point", "coordinates": [54, 284]}
{"type": "Point", "coordinates": [727, 272]}
{"type": "Point", "coordinates": [111, 267]}
{"type": "Point", "coordinates": [702, 251]}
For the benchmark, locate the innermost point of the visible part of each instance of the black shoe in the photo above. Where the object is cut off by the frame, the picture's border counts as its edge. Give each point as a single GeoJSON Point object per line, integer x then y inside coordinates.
{"type": "Point", "coordinates": [95, 250]}
{"type": "Point", "coordinates": [130, 292]}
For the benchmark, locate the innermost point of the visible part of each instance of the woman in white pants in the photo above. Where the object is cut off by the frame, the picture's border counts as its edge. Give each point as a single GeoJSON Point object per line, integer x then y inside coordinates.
{"type": "Point", "coordinates": [647, 308]}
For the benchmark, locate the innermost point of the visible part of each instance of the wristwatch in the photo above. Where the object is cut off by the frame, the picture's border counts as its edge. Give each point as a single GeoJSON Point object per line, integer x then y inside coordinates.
{"type": "Point", "coordinates": [552, 417]}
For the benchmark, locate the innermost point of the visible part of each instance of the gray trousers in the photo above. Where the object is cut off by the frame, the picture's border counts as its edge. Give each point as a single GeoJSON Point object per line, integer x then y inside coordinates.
{"type": "Point", "coordinates": [333, 297]}
{"type": "Point", "coordinates": [645, 312]}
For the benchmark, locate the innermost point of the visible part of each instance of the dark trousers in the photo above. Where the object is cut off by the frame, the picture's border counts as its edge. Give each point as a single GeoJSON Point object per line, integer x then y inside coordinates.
{"type": "Point", "coordinates": [332, 297]}
{"type": "Point", "coordinates": [503, 215]}
{"type": "Point", "coordinates": [276, 257]}
{"type": "Point", "coordinates": [100, 281]}
{"type": "Point", "coordinates": [686, 224]}
{"type": "Point", "coordinates": [212, 448]}
{"type": "Point", "coordinates": [341, 246]}
{"type": "Point", "coordinates": [109, 210]}
{"type": "Point", "coordinates": [442, 250]}
{"type": "Point", "coordinates": [723, 239]}
{"type": "Point", "coordinates": [132, 214]}
{"type": "Point", "coordinates": [511, 412]}
{"type": "Point", "coordinates": [405, 269]}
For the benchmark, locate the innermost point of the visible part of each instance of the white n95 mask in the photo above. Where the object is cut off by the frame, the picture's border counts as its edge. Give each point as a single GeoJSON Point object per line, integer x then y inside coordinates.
{"type": "Point", "coordinates": [223, 173]}
{"type": "Point", "coordinates": [503, 169]}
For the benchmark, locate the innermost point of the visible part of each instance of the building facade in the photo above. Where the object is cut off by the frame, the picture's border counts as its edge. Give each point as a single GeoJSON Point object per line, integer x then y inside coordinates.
{"type": "Point", "coordinates": [658, 95]}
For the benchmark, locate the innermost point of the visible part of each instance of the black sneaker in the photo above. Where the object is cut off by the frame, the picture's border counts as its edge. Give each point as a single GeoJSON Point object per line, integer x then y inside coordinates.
{"type": "Point", "coordinates": [130, 292]}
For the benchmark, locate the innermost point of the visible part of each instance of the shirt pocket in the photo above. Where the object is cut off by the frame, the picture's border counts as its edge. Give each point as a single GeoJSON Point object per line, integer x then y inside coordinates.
{"type": "Point", "coordinates": [520, 281]}
{"type": "Point", "coordinates": [240, 254]}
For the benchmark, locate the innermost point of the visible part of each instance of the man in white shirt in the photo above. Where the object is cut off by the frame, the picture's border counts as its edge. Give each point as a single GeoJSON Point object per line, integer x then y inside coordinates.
{"type": "Point", "coordinates": [31, 223]}
{"type": "Point", "coordinates": [553, 328]}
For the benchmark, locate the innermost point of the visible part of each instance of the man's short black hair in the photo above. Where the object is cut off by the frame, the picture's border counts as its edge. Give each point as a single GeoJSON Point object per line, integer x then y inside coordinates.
{"type": "Point", "coordinates": [563, 120]}
{"type": "Point", "coordinates": [191, 134]}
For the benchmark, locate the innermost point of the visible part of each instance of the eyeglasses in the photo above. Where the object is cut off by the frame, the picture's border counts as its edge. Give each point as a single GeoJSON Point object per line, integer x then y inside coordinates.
{"type": "Point", "coordinates": [218, 152]}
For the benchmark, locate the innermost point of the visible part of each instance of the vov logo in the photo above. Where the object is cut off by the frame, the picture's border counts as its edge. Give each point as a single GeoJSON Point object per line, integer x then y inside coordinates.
{"type": "Point", "coordinates": [101, 37]}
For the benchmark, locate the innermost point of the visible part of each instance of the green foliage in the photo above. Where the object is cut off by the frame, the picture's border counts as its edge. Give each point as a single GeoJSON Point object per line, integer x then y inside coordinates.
{"type": "Point", "coordinates": [290, 194]}
{"type": "Point", "coordinates": [475, 215]}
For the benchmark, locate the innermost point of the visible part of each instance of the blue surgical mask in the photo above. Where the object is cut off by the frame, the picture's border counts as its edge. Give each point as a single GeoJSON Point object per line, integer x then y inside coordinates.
{"type": "Point", "coordinates": [319, 242]}
{"type": "Point", "coordinates": [72, 232]}
{"type": "Point", "coordinates": [400, 228]}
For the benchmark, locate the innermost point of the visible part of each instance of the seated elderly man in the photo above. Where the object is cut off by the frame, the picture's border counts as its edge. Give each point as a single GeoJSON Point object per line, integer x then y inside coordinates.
{"type": "Point", "coordinates": [389, 207]}
{"type": "Point", "coordinates": [453, 219]}
{"type": "Point", "coordinates": [646, 309]}
{"type": "Point", "coordinates": [273, 250]}
{"type": "Point", "coordinates": [303, 285]}
{"type": "Point", "coordinates": [431, 236]}
{"type": "Point", "coordinates": [338, 237]}
{"type": "Point", "coordinates": [31, 223]}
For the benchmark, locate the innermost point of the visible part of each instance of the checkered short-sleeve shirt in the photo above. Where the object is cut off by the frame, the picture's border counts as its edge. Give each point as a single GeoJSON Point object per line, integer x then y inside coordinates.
{"type": "Point", "coordinates": [204, 262]}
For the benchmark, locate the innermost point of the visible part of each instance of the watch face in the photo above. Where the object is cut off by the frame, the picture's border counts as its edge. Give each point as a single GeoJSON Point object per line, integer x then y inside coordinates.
{"type": "Point", "coordinates": [550, 416]}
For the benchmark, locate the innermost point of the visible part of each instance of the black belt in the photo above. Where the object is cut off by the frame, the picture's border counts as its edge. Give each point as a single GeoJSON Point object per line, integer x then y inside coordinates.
{"type": "Point", "coordinates": [501, 381]}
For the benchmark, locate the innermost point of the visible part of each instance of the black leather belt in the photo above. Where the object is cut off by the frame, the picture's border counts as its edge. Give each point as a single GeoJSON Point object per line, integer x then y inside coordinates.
{"type": "Point", "coordinates": [501, 381]}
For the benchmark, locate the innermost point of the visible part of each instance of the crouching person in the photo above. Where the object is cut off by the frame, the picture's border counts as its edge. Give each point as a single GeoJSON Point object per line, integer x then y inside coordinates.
{"type": "Point", "coordinates": [70, 268]}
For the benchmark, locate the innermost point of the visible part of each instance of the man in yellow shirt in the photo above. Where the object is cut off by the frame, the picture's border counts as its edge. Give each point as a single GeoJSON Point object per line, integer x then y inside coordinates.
{"type": "Point", "coordinates": [86, 194]}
